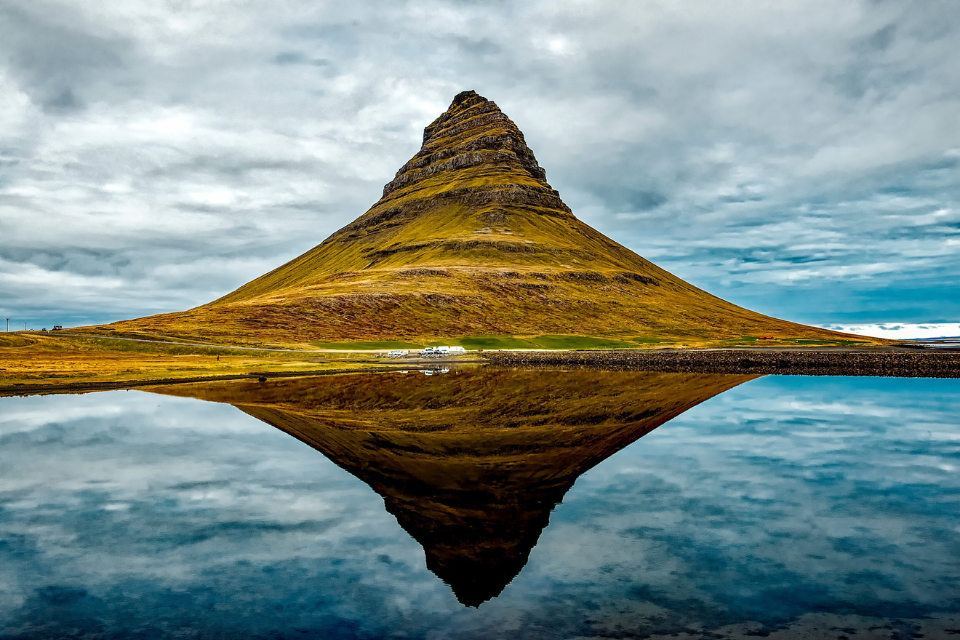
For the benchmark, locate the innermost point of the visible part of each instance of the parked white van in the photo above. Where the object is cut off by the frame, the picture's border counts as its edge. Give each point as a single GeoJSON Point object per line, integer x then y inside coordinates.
{"type": "Point", "coordinates": [454, 350]}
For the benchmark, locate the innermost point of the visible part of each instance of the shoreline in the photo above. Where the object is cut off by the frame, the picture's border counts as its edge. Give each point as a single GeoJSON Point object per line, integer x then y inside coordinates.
{"type": "Point", "coordinates": [898, 362]}
{"type": "Point", "coordinates": [25, 389]}
{"type": "Point", "coordinates": [878, 362]}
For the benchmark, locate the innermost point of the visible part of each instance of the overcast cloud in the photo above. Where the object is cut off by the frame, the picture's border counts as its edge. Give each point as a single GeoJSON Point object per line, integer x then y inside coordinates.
{"type": "Point", "coordinates": [800, 158]}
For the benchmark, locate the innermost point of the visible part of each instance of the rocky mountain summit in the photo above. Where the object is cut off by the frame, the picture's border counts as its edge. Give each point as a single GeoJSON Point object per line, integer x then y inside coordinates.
{"type": "Point", "coordinates": [451, 142]}
{"type": "Point", "coordinates": [468, 239]}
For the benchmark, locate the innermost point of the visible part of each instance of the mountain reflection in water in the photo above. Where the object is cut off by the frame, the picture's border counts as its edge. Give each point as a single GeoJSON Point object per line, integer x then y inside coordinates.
{"type": "Point", "coordinates": [471, 462]}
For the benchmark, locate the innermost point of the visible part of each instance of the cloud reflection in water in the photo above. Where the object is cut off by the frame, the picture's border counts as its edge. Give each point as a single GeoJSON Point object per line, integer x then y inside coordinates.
{"type": "Point", "coordinates": [782, 497]}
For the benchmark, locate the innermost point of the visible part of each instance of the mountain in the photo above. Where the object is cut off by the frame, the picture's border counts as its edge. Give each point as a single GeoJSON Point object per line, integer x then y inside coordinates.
{"type": "Point", "coordinates": [471, 463]}
{"type": "Point", "coordinates": [468, 239]}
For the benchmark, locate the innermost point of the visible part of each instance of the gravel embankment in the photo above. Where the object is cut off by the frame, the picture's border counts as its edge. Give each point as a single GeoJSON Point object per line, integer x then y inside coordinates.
{"type": "Point", "coordinates": [903, 364]}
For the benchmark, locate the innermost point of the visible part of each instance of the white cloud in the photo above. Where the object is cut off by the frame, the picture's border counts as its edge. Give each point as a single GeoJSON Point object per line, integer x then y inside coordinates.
{"type": "Point", "coordinates": [901, 331]}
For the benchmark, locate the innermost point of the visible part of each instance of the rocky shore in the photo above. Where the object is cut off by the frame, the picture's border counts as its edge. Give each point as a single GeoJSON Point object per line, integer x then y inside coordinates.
{"type": "Point", "coordinates": [891, 363]}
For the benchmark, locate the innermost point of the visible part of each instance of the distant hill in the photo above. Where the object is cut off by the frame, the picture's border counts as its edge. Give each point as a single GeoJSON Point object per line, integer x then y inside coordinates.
{"type": "Point", "coordinates": [469, 239]}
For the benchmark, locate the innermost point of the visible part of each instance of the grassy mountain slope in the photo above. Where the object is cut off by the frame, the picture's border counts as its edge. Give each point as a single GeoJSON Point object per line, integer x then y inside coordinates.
{"type": "Point", "coordinates": [468, 239]}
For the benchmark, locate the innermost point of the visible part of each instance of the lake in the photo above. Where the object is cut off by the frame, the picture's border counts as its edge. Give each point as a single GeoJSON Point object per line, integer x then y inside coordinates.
{"type": "Point", "coordinates": [485, 503]}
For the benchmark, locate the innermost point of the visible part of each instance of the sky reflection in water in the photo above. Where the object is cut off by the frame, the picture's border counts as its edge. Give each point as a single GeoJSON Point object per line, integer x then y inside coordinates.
{"type": "Point", "coordinates": [128, 512]}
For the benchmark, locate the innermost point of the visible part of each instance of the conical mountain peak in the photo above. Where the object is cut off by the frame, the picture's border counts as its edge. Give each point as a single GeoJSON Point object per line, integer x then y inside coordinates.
{"type": "Point", "coordinates": [468, 239]}
{"type": "Point", "coordinates": [474, 196]}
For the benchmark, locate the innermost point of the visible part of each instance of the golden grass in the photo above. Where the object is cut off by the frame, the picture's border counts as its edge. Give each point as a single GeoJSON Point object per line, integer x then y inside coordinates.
{"type": "Point", "coordinates": [53, 360]}
{"type": "Point", "coordinates": [448, 303]}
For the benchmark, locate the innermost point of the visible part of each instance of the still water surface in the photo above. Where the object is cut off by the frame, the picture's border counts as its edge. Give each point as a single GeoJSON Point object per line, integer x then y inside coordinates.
{"type": "Point", "coordinates": [497, 504]}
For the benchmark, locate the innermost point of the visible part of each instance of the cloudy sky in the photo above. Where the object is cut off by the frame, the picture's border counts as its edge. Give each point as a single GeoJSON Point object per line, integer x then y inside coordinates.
{"type": "Point", "coordinates": [800, 158]}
